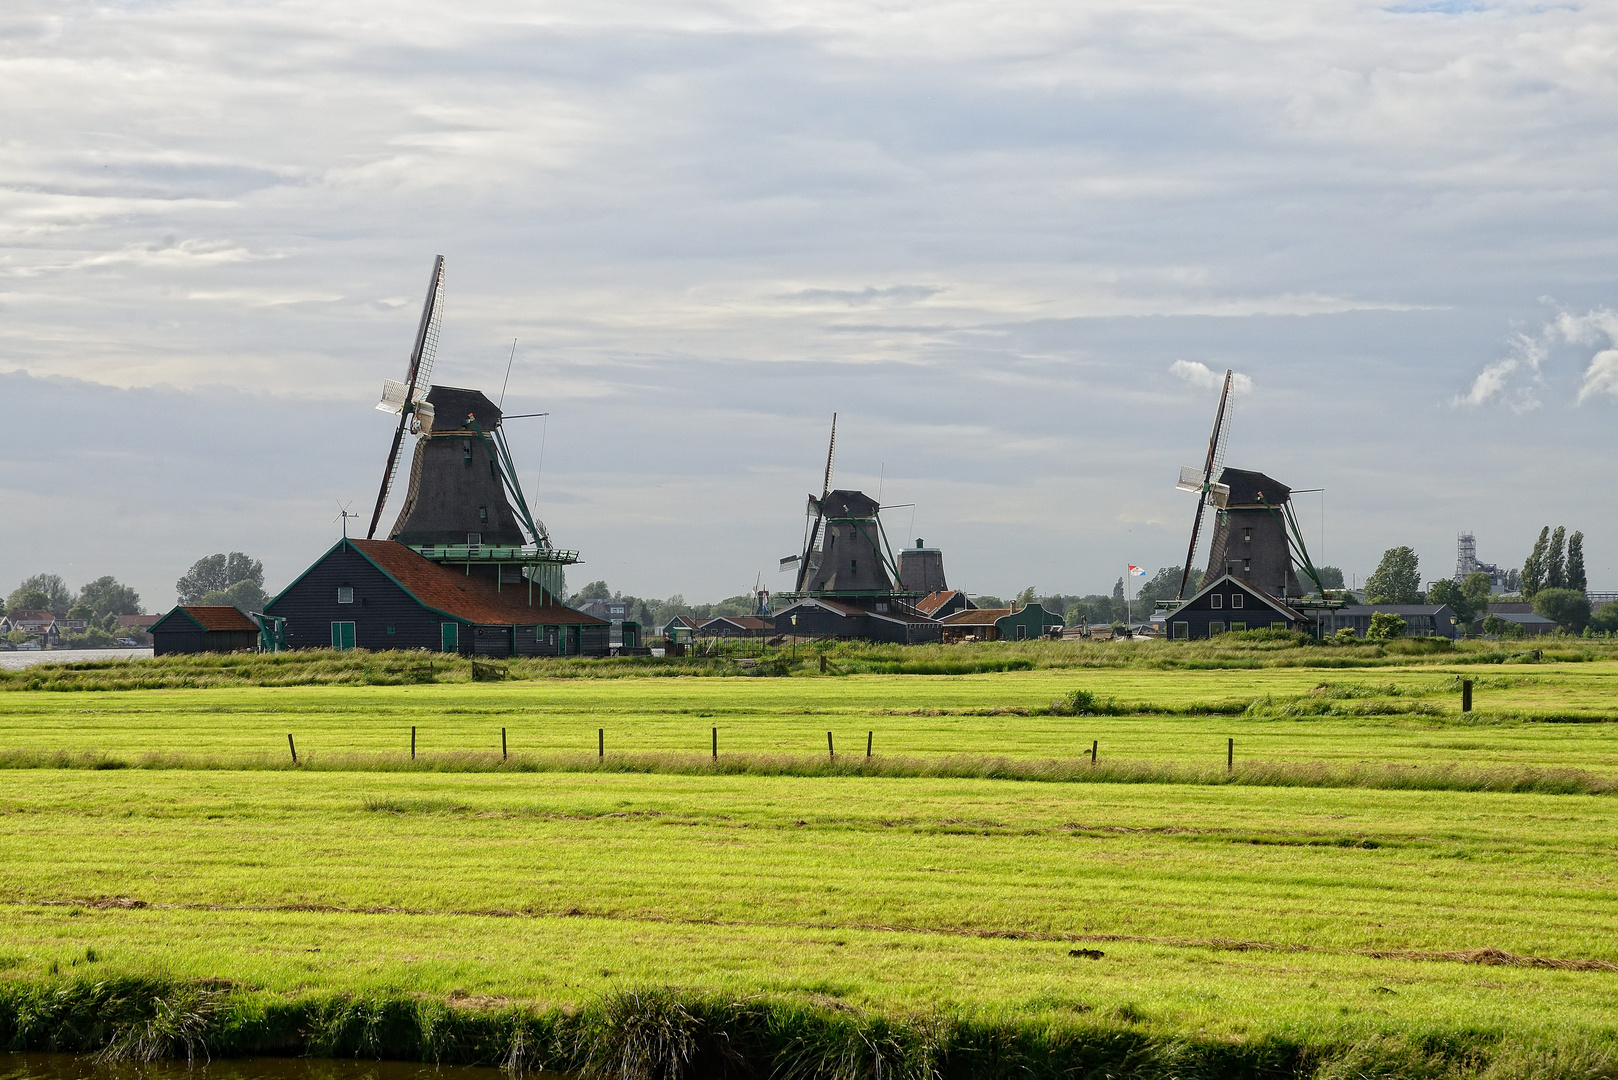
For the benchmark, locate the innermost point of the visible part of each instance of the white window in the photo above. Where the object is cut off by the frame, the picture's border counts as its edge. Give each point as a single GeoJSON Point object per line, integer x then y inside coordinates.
{"type": "Point", "coordinates": [1215, 628]}
{"type": "Point", "coordinates": [1216, 601]}
{"type": "Point", "coordinates": [345, 594]}
{"type": "Point", "coordinates": [1237, 600]}
{"type": "Point", "coordinates": [1182, 631]}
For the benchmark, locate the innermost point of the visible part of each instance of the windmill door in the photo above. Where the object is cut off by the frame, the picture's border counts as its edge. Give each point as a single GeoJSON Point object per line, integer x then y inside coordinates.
{"type": "Point", "coordinates": [450, 637]}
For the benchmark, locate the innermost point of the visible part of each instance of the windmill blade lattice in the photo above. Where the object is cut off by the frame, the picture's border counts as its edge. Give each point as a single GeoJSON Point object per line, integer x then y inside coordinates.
{"type": "Point", "coordinates": [407, 399]}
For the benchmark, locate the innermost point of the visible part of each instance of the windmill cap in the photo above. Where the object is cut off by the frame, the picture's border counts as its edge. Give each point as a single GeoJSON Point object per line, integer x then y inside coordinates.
{"type": "Point", "coordinates": [1245, 488]}
{"type": "Point", "coordinates": [452, 404]}
{"type": "Point", "coordinates": [849, 504]}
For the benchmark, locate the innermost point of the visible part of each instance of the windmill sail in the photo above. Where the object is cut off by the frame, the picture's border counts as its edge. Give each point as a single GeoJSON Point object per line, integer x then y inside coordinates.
{"type": "Point", "coordinates": [817, 507]}
{"type": "Point", "coordinates": [405, 398]}
{"type": "Point", "coordinates": [1203, 484]}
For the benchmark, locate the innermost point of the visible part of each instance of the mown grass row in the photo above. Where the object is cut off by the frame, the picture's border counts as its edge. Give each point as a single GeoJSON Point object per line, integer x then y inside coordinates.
{"type": "Point", "coordinates": [1392, 777]}
{"type": "Point", "coordinates": [320, 667]}
{"type": "Point", "coordinates": [666, 1034]}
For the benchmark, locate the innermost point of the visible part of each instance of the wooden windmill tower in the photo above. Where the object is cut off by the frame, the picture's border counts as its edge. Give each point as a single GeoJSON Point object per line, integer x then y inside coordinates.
{"type": "Point", "coordinates": [464, 504]}
{"type": "Point", "coordinates": [1256, 536]}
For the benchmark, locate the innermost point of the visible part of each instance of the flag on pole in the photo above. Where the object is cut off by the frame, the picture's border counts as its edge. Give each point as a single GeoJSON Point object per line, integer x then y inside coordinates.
{"type": "Point", "coordinates": [1137, 571]}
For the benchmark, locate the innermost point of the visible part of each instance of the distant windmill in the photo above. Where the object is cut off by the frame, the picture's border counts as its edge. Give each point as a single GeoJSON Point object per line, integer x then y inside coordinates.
{"type": "Point", "coordinates": [1256, 536]}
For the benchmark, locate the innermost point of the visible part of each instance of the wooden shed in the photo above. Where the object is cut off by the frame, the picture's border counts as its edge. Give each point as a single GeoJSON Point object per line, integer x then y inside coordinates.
{"type": "Point", "coordinates": [192, 628]}
{"type": "Point", "coordinates": [379, 594]}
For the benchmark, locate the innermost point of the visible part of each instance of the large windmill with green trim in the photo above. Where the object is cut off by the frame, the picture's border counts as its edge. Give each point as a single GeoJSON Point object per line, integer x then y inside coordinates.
{"type": "Point", "coordinates": [464, 504]}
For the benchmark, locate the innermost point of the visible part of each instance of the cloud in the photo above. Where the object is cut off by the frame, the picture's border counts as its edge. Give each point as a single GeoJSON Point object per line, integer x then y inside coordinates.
{"type": "Point", "coordinates": [1516, 379]}
{"type": "Point", "coordinates": [1203, 377]}
{"type": "Point", "coordinates": [1498, 381]}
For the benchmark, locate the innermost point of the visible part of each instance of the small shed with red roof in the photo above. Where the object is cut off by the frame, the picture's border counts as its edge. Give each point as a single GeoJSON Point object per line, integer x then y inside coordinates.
{"type": "Point", "coordinates": [198, 628]}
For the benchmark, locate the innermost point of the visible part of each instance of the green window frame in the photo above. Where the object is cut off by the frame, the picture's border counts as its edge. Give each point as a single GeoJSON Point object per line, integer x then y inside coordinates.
{"type": "Point", "coordinates": [449, 637]}
{"type": "Point", "coordinates": [342, 635]}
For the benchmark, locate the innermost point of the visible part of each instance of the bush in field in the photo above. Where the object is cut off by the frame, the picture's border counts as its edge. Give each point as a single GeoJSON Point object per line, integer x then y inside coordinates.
{"type": "Point", "coordinates": [1568, 608]}
{"type": "Point", "coordinates": [1385, 626]}
{"type": "Point", "coordinates": [1347, 635]}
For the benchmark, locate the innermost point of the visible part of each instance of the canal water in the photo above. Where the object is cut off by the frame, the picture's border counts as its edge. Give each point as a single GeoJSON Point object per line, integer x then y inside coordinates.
{"type": "Point", "coordinates": [23, 658]}
{"type": "Point", "coordinates": [74, 1067]}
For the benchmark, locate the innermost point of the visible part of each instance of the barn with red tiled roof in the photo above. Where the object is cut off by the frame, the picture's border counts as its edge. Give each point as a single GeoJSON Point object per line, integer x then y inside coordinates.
{"type": "Point", "coordinates": [380, 594]}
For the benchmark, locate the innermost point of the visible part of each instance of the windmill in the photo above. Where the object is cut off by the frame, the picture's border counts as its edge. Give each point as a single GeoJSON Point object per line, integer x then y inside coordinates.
{"type": "Point", "coordinates": [408, 398]}
{"type": "Point", "coordinates": [464, 504]}
{"type": "Point", "coordinates": [1256, 536]}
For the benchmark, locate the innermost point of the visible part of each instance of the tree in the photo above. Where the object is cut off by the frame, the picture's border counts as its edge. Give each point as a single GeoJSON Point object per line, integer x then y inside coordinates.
{"type": "Point", "coordinates": [1024, 598]}
{"type": "Point", "coordinates": [58, 597]}
{"type": "Point", "coordinates": [217, 573]}
{"type": "Point", "coordinates": [1606, 619]}
{"type": "Point", "coordinates": [23, 599]}
{"type": "Point", "coordinates": [245, 594]}
{"type": "Point", "coordinates": [989, 602]}
{"type": "Point", "coordinates": [1385, 626]}
{"type": "Point", "coordinates": [1533, 568]}
{"type": "Point", "coordinates": [1556, 560]}
{"type": "Point", "coordinates": [1447, 592]}
{"type": "Point", "coordinates": [1118, 590]}
{"type": "Point", "coordinates": [1513, 582]}
{"type": "Point", "coordinates": [105, 596]}
{"type": "Point", "coordinates": [1568, 609]}
{"type": "Point", "coordinates": [1575, 563]}
{"type": "Point", "coordinates": [596, 590]}
{"type": "Point", "coordinates": [1165, 585]}
{"type": "Point", "coordinates": [1330, 576]}
{"type": "Point", "coordinates": [1396, 580]}
{"type": "Point", "coordinates": [1478, 587]}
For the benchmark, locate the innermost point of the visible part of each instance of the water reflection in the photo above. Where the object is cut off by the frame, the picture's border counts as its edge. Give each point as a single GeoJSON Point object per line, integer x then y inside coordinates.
{"type": "Point", "coordinates": [75, 1067]}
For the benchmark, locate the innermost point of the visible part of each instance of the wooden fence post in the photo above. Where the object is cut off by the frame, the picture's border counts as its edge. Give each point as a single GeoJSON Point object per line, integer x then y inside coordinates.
{"type": "Point", "coordinates": [869, 735]}
{"type": "Point", "coordinates": [502, 744]}
{"type": "Point", "coordinates": [601, 742]}
{"type": "Point", "coordinates": [716, 744]}
{"type": "Point", "coordinates": [1094, 743]}
{"type": "Point", "coordinates": [293, 747]}
{"type": "Point", "coordinates": [1230, 755]}
{"type": "Point", "coordinates": [1466, 695]}
{"type": "Point", "coordinates": [829, 751]}
{"type": "Point", "coordinates": [412, 742]}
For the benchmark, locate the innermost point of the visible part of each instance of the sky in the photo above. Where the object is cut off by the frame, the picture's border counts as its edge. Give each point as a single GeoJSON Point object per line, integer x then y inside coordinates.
{"type": "Point", "coordinates": [1014, 246]}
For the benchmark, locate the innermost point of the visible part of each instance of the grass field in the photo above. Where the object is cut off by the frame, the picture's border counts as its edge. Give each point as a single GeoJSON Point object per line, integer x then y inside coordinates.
{"type": "Point", "coordinates": [1242, 929]}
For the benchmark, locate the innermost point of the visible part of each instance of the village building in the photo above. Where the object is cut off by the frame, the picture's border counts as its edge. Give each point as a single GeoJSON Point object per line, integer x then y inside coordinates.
{"type": "Point", "coordinates": [886, 620]}
{"type": "Point", "coordinates": [381, 594]}
{"type": "Point", "coordinates": [198, 628]}
{"type": "Point", "coordinates": [1229, 603]}
{"type": "Point", "coordinates": [1000, 624]}
{"type": "Point", "coordinates": [1421, 620]}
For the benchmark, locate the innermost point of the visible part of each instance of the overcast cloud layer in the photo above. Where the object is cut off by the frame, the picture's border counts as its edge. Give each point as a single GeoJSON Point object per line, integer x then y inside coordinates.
{"type": "Point", "coordinates": [1013, 245]}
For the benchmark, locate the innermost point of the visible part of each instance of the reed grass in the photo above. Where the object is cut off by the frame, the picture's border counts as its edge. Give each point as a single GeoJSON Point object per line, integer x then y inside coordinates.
{"type": "Point", "coordinates": [663, 1033]}
{"type": "Point", "coordinates": [324, 667]}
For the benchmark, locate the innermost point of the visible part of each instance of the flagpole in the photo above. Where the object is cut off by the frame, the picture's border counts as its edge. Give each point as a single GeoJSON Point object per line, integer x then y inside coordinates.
{"type": "Point", "coordinates": [1129, 572]}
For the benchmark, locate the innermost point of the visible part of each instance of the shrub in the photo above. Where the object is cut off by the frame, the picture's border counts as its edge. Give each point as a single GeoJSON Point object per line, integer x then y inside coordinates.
{"type": "Point", "coordinates": [1569, 608]}
{"type": "Point", "coordinates": [1346, 634]}
{"type": "Point", "coordinates": [1385, 626]}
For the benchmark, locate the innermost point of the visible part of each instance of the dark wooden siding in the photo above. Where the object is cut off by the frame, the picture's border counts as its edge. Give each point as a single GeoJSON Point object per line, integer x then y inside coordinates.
{"type": "Point", "coordinates": [493, 640]}
{"type": "Point", "coordinates": [310, 607]}
{"type": "Point", "coordinates": [167, 641]}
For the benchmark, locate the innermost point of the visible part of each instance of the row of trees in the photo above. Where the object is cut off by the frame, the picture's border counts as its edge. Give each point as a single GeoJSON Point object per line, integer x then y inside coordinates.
{"type": "Point", "coordinates": [233, 580]}
{"type": "Point", "coordinates": [1557, 562]}
{"type": "Point", "coordinates": [98, 602]}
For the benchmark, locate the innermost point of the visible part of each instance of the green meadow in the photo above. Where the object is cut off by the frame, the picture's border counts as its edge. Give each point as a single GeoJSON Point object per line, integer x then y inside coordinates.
{"type": "Point", "coordinates": [637, 913]}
